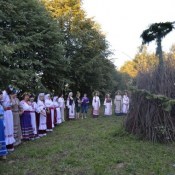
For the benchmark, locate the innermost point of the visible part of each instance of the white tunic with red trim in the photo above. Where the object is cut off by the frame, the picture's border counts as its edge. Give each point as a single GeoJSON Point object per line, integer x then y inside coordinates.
{"type": "Point", "coordinates": [8, 119]}
{"type": "Point", "coordinates": [41, 109]}
{"type": "Point", "coordinates": [33, 117]}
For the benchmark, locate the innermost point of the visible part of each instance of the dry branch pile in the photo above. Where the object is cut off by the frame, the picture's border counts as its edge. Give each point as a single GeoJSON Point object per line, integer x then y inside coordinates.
{"type": "Point", "coordinates": [152, 115]}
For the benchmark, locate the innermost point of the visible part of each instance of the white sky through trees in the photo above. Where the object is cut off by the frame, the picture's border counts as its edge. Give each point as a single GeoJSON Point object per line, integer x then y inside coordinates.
{"type": "Point", "coordinates": [124, 20]}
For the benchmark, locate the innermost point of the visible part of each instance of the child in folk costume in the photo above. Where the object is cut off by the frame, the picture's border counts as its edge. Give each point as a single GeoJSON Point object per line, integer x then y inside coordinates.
{"type": "Point", "coordinates": [96, 104]}
{"type": "Point", "coordinates": [71, 106]}
{"type": "Point", "coordinates": [8, 120]}
{"type": "Point", "coordinates": [33, 115]}
{"type": "Point", "coordinates": [50, 112]}
{"type": "Point", "coordinates": [118, 103]}
{"type": "Point", "coordinates": [108, 105]}
{"type": "Point", "coordinates": [3, 149]}
{"type": "Point", "coordinates": [62, 106]}
{"type": "Point", "coordinates": [26, 124]}
{"type": "Point", "coordinates": [84, 106]}
{"type": "Point", "coordinates": [125, 103]}
{"type": "Point", "coordinates": [57, 110]}
{"type": "Point", "coordinates": [78, 105]}
{"type": "Point", "coordinates": [41, 109]}
{"type": "Point", "coordinates": [16, 118]}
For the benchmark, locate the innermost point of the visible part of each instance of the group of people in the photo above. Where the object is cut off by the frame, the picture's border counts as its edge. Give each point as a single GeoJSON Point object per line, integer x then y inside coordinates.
{"type": "Point", "coordinates": [29, 120]}
{"type": "Point", "coordinates": [26, 119]}
{"type": "Point", "coordinates": [121, 104]}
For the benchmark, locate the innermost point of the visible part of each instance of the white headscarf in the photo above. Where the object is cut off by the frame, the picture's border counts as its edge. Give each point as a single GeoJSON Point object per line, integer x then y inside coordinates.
{"type": "Point", "coordinates": [48, 101]}
{"type": "Point", "coordinates": [70, 93]}
{"type": "Point", "coordinates": [47, 96]}
{"type": "Point", "coordinates": [40, 95]}
{"type": "Point", "coordinates": [55, 99]}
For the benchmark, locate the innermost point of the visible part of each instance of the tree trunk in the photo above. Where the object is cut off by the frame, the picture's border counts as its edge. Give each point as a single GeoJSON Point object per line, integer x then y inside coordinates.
{"type": "Point", "coordinates": [159, 53]}
{"type": "Point", "coordinates": [160, 72]}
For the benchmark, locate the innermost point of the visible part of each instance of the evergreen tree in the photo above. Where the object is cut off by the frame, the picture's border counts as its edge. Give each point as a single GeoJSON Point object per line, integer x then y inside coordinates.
{"type": "Point", "coordinates": [86, 48]}
{"type": "Point", "coordinates": [31, 53]}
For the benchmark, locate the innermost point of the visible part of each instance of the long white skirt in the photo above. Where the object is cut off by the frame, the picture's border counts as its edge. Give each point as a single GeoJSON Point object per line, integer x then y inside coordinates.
{"type": "Point", "coordinates": [108, 109]}
{"type": "Point", "coordinates": [62, 114]}
{"type": "Point", "coordinates": [42, 122]}
{"type": "Point", "coordinates": [59, 119]}
{"type": "Point", "coordinates": [125, 108]}
{"type": "Point", "coordinates": [96, 109]}
{"type": "Point", "coordinates": [33, 121]}
{"type": "Point", "coordinates": [9, 128]}
{"type": "Point", "coordinates": [72, 111]}
{"type": "Point", "coordinates": [52, 115]}
{"type": "Point", "coordinates": [118, 107]}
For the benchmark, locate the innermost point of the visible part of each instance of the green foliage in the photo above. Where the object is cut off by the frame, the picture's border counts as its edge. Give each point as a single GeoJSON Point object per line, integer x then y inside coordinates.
{"type": "Point", "coordinates": [157, 31]}
{"type": "Point", "coordinates": [163, 101]}
{"type": "Point", "coordinates": [86, 48]}
{"type": "Point", "coordinates": [45, 46]}
{"type": "Point", "coordinates": [143, 62]}
{"type": "Point", "coordinates": [31, 47]}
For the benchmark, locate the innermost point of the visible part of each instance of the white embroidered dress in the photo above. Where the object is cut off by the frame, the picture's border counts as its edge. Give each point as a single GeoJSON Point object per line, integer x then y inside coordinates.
{"type": "Point", "coordinates": [96, 105]}
{"type": "Point", "coordinates": [8, 119]}
{"type": "Point", "coordinates": [108, 106]}
{"type": "Point", "coordinates": [125, 104]}
{"type": "Point", "coordinates": [58, 112]}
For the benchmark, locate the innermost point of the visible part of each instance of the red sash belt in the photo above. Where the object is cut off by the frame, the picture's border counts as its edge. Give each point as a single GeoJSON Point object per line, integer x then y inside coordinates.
{"type": "Point", "coordinates": [52, 108]}
{"type": "Point", "coordinates": [8, 108]}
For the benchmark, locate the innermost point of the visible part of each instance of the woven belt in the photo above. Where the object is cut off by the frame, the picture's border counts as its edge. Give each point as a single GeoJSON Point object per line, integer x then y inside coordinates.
{"type": "Point", "coordinates": [7, 108]}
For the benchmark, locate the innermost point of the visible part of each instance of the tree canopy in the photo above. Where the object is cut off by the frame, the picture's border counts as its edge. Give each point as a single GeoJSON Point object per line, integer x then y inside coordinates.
{"type": "Point", "coordinates": [30, 46]}
{"type": "Point", "coordinates": [47, 45]}
{"type": "Point", "coordinates": [86, 48]}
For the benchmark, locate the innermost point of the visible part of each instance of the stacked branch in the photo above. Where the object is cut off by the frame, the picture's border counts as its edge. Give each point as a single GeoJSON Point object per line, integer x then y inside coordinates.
{"type": "Point", "coordinates": [151, 117]}
{"type": "Point", "coordinates": [152, 111]}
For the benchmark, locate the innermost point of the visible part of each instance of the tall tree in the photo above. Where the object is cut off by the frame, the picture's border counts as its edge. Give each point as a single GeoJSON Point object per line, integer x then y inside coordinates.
{"type": "Point", "coordinates": [86, 48]}
{"type": "Point", "coordinates": [31, 52]}
{"type": "Point", "coordinates": [143, 62]}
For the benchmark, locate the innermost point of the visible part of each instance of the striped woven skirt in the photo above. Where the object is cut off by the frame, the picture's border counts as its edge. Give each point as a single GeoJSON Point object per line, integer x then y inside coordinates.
{"type": "Point", "coordinates": [17, 128]}
{"type": "Point", "coordinates": [26, 126]}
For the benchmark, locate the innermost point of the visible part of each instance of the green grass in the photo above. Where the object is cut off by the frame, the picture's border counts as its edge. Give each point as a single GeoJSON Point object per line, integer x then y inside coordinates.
{"type": "Point", "coordinates": [90, 147]}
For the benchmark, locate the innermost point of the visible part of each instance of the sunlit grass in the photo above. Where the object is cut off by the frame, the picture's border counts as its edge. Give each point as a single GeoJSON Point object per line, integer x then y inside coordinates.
{"type": "Point", "coordinates": [90, 147]}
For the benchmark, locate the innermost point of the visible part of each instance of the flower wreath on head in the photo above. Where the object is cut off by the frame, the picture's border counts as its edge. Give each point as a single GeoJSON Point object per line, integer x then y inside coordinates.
{"type": "Point", "coordinates": [108, 94]}
{"type": "Point", "coordinates": [96, 92]}
{"type": "Point", "coordinates": [25, 93]}
{"type": "Point", "coordinates": [116, 93]}
{"type": "Point", "coordinates": [14, 89]}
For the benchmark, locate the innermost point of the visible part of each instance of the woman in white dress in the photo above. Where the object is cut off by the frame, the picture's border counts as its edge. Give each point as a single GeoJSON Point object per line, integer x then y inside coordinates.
{"type": "Point", "coordinates": [71, 106]}
{"type": "Point", "coordinates": [108, 105]}
{"type": "Point", "coordinates": [33, 115]}
{"type": "Point", "coordinates": [8, 120]}
{"type": "Point", "coordinates": [57, 110]}
{"type": "Point", "coordinates": [96, 105]}
{"type": "Point", "coordinates": [62, 106]}
{"type": "Point", "coordinates": [50, 112]}
{"type": "Point", "coordinates": [41, 109]}
{"type": "Point", "coordinates": [26, 124]}
{"type": "Point", "coordinates": [118, 103]}
{"type": "Point", "coordinates": [125, 103]}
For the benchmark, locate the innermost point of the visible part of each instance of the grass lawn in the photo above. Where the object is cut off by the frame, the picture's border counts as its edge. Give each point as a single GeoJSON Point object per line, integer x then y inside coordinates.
{"type": "Point", "coordinates": [90, 147]}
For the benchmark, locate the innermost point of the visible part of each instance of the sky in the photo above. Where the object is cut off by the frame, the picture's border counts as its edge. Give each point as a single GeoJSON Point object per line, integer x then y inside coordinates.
{"type": "Point", "coordinates": [123, 21]}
